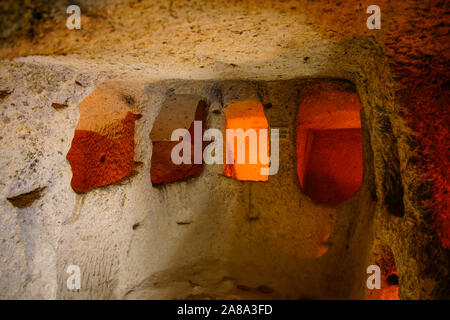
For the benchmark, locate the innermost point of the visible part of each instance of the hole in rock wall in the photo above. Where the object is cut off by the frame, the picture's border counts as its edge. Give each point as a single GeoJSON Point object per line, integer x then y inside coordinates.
{"type": "Point", "coordinates": [177, 112]}
{"type": "Point", "coordinates": [242, 117]}
{"type": "Point", "coordinates": [102, 149]}
{"type": "Point", "coordinates": [328, 145]}
{"type": "Point", "coordinates": [305, 232]}
{"type": "Point", "coordinates": [383, 257]}
{"type": "Point", "coordinates": [392, 181]}
{"type": "Point", "coordinates": [329, 142]}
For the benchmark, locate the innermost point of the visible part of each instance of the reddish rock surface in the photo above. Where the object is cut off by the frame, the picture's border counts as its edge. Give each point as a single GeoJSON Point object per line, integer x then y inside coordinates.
{"type": "Point", "coordinates": [164, 170]}
{"type": "Point", "coordinates": [414, 39]}
{"type": "Point", "coordinates": [102, 150]}
{"type": "Point", "coordinates": [329, 143]}
{"type": "Point", "coordinates": [334, 168]}
{"type": "Point", "coordinates": [175, 114]}
{"type": "Point", "coordinates": [98, 161]}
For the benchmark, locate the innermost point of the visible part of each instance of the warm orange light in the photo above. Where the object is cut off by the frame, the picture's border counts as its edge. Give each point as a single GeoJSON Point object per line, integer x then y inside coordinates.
{"type": "Point", "coordinates": [246, 115]}
{"type": "Point", "coordinates": [388, 291]}
{"type": "Point", "coordinates": [383, 257]}
{"type": "Point", "coordinates": [329, 143]}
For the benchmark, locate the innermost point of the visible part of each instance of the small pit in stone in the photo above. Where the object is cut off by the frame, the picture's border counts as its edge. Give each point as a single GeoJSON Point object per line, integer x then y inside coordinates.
{"type": "Point", "coordinates": [26, 199]}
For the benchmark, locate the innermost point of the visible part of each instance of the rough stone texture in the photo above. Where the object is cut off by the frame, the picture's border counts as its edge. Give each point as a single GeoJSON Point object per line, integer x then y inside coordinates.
{"type": "Point", "coordinates": [214, 237]}
{"type": "Point", "coordinates": [334, 169]}
{"type": "Point", "coordinates": [329, 150]}
{"type": "Point", "coordinates": [102, 150]}
{"type": "Point", "coordinates": [177, 112]}
{"type": "Point", "coordinates": [34, 140]}
{"type": "Point", "coordinates": [382, 256]}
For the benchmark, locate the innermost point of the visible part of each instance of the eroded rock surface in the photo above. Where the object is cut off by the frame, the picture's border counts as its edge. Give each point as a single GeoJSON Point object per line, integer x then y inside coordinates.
{"type": "Point", "coordinates": [211, 236]}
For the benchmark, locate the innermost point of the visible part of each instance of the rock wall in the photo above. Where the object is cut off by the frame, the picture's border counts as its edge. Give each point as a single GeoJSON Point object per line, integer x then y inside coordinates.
{"type": "Point", "coordinates": [212, 236]}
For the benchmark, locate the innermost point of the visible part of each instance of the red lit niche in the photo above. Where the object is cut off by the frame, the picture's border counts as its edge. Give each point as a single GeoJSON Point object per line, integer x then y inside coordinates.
{"type": "Point", "coordinates": [329, 143]}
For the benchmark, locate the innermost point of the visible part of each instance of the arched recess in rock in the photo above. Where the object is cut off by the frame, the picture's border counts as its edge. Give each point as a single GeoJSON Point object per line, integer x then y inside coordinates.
{"type": "Point", "coordinates": [177, 112]}
{"type": "Point", "coordinates": [329, 142]}
{"type": "Point", "coordinates": [102, 150]}
{"type": "Point", "coordinates": [246, 119]}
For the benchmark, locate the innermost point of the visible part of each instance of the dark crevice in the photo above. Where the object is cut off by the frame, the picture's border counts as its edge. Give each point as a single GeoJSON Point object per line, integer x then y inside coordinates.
{"type": "Point", "coordinates": [4, 94]}
{"type": "Point", "coordinates": [25, 200]}
{"type": "Point", "coordinates": [392, 180]}
{"type": "Point", "coordinates": [58, 106]}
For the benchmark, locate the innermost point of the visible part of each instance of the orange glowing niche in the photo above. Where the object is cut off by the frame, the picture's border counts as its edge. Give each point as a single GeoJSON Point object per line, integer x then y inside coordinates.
{"type": "Point", "coordinates": [248, 114]}
{"type": "Point", "coordinates": [383, 257]}
{"type": "Point", "coordinates": [329, 143]}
